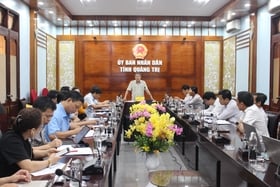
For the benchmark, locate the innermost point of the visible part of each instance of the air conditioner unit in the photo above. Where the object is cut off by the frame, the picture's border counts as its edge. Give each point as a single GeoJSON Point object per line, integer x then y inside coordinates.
{"type": "Point", "coordinates": [233, 26]}
{"type": "Point", "coordinates": [274, 6]}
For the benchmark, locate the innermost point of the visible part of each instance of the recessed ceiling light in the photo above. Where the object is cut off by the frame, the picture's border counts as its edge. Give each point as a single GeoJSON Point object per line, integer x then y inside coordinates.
{"type": "Point", "coordinates": [189, 25]}
{"type": "Point", "coordinates": [223, 20]}
{"type": "Point", "coordinates": [40, 3]}
{"type": "Point", "coordinates": [247, 5]}
{"type": "Point", "coordinates": [213, 25]}
{"type": "Point", "coordinates": [233, 13]}
{"type": "Point", "coordinates": [51, 12]}
{"type": "Point", "coordinates": [58, 19]}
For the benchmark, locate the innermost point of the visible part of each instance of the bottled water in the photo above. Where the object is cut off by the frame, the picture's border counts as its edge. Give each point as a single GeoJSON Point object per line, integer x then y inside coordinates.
{"type": "Point", "coordinates": [76, 173]}
{"type": "Point", "coordinates": [252, 145]}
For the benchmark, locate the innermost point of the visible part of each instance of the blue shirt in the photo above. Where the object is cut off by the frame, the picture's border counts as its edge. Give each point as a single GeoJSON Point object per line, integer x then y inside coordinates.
{"type": "Point", "coordinates": [60, 122]}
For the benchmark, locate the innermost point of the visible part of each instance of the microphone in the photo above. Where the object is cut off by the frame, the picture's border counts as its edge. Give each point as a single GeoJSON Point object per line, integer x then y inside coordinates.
{"type": "Point", "coordinates": [60, 172]}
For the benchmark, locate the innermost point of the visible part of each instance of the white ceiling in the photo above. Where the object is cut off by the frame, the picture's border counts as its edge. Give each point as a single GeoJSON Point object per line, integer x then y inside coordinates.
{"type": "Point", "coordinates": [131, 7]}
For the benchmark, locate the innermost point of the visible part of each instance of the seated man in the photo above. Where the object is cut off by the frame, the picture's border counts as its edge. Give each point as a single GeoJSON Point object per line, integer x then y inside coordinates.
{"type": "Point", "coordinates": [185, 90]}
{"type": "Point", "coordinates": [230, 111]}
{"type": "Point", "coordinates": [252, 114]}
{"type": "Point", "coordinates": [212, 102]}
{"type": "Point", "coordinates": [47, 107]}
{"type": "Point", "coordinates": [59, 126]}
{"type": "Point", "coordinates": [92, 100]}
{"type": "Point", "coordinates": [196, 100]}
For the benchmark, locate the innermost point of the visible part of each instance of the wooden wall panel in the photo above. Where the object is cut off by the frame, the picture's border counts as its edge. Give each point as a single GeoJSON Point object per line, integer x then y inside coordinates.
{"type": "Point", "coordinates": [182, 58]}
{"type": "Point", "coordinates": [96, 58]}
{"type": "Point", "coordinates": [97, 63]}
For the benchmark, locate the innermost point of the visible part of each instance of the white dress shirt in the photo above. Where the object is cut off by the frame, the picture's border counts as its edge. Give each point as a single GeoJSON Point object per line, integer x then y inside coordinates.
{"type": "Point", "coordinates": [196, 101]}
{"type": "Point", "coordinates": [256, 117]}
{"type": "Point", "coordinates": [216, 108]}
{"type": "Point", "coordinates": [230, 112]}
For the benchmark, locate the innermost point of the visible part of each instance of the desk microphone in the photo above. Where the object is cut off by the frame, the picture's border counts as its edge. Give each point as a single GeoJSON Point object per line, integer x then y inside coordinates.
{"type": "Point", "coordinates": [60, 172]}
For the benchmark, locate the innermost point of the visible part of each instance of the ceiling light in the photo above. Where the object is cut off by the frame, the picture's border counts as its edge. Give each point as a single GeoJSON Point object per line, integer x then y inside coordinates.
{"type": "Point", "coordinates": [58, 19]}
{"type": "Point", "coordinates": [40, 3]}
{"type": "Point", "coordinates": [201, 2]}
{"type": "Point", "coordinates": [247, 5]}
{"type": "Point", "coordinates": [51, 12]}
{"type": "Point", "coordinates": [223, 20]}
{"type": "Point", "coordinates": [144, 4]}
{"type": "Point", "coordinates": [87, 2]}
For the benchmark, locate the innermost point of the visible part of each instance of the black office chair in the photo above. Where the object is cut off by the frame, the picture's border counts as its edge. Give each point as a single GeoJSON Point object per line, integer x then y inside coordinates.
{"type": "Point", "coordinates": [272, 124]}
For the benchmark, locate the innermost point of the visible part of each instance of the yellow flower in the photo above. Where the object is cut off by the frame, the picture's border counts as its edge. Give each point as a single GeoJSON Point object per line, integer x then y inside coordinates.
{"type": "Point", "coordinates": [153, 131]}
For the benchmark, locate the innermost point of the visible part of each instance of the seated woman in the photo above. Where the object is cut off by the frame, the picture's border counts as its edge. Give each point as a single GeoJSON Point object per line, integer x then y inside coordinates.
{"type": "Point", "coordinates": [20, 176]}
{"type": "Point", "coordinates": [15, 148]}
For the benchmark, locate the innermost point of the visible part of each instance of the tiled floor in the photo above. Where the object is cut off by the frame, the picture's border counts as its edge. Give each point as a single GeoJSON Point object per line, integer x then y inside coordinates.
{"type": "Point", "coordinates": [131, 170]}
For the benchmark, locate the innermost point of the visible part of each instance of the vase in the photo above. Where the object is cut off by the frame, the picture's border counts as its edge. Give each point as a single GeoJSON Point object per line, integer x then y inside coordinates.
{"type": "Point", "coordinates": [152, 161]}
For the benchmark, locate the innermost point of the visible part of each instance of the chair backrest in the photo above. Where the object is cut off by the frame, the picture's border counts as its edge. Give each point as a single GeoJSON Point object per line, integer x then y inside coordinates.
{"type": "Point", "coordinates": [33, 95]}
{"type": "Point", "coordinates": [45, 92]}
{"type": "Point", "coordinates": [272, 124]}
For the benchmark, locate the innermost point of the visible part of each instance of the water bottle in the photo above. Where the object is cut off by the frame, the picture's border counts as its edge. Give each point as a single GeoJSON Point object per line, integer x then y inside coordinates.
{"type": "Point", "coordinates": [76, 173]}
{"type": "Point", "coordinates": [252, 145]}
{"type": "Point", "coordinates": [214, 124]}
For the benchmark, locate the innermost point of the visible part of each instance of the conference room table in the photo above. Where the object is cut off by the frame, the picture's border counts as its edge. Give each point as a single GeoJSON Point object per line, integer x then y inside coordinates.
{"type": "Point", "coordinates": [109, 160]}
{"type": "Point", "coordinates": [219, 164]}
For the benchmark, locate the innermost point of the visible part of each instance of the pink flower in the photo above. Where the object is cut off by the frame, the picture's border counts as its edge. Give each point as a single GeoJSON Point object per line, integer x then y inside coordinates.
{"type": "Point", "coordinates": [176, 129]}
{"type": "Point", "coordinates": [149, 130]}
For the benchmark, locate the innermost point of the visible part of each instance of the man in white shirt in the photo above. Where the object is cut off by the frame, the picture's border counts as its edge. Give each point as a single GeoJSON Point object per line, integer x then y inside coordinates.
{"type": "Point", "coordinates": [137, 88]}
{"type": "Point", "coordinates": [212, 102]}
{"type": "Point", "coordinates": [185, 90]}
{"type": "Point", "coordinates": [196, 101]}
{"type": "Point", "coordinates": [92, 100]}
{"type": "Point", "coordinates": [230, 111]}
{"type": "Point", "coordinates": [252, 114]}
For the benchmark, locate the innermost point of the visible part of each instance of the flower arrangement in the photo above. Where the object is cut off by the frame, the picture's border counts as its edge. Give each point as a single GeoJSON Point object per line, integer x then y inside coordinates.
{"type": "Point", "coordinates": [153, 128]}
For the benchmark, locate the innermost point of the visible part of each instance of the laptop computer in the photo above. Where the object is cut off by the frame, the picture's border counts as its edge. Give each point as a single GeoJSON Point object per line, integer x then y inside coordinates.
{"type": "Point", "coordinates": [248, 129]}
{"type": "Point", "coordinates": [272, 147]}
{"type": "Point", "coordinates": [78, 138]}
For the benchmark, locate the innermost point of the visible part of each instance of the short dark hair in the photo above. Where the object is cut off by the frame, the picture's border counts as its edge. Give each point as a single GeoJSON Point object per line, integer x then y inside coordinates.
{"type": "Point", "coordinates": [52, 94]}
{"type": "Point", "coordinates": [43, 103]}
{"type": "Point", "coordinates": [74, 95]}
{"type": "Point", "coordinates": [194, 89]}
{"type": "Point", "coordinates": [26, 119]}
{"type": "Point", "coordinates": [246, 98]}
{"type": "Point", "coordinates": [95, 89]}
{"type": "Point", "coordinates": [65, 88]}
{"type": "Point", "coordinates": [225, 93]}
{"type": "Point", "coordinates": [209, 95]}
{"type": "Point", "coordinates": [185, 87]}
{"type": "Point", "coordinates": [261, 97]}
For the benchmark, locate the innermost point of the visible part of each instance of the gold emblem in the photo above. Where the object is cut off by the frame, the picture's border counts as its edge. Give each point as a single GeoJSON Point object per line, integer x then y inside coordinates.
{"type": "Point", "coordinates": [139, 51]}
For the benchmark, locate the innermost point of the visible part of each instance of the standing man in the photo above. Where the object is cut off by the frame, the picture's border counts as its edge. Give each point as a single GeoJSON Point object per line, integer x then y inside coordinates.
{"type": "Point", "coordinates": [137, 88]}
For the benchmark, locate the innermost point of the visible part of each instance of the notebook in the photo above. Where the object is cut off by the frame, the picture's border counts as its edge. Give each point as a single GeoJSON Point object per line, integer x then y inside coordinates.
{"type": "Point", "coordinates": [272, 148]}
{"type": "Point", "coordinates": [78, 138]}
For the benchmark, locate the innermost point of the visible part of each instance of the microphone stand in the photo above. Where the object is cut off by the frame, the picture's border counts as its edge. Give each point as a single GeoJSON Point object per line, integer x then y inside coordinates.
{"type": "Point", "coordinates": [60, 172]}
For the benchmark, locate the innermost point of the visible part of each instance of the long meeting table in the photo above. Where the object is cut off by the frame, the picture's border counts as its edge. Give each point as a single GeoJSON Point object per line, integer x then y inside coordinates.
{"type": "Point", "coordinates": [219, 166]}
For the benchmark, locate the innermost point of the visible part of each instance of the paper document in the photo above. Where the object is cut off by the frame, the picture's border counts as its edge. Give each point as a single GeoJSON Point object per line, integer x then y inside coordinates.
{"type": "Point", "coordinates": [49, 170]}
{"type": "Point", "coordinates": [80, 151]}
{"type": "Point", "coordinates": [223, 122]}
{"type": "Point", "coordinates": [76, 151]}
{"type": "Point", "coordinates": [39, 183]}
{"type": "Point", "coordinates": [90, 134]}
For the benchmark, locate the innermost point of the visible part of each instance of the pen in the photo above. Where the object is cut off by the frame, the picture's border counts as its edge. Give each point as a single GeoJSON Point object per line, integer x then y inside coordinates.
{"type": "Point", "coordinates": [67, 164]}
